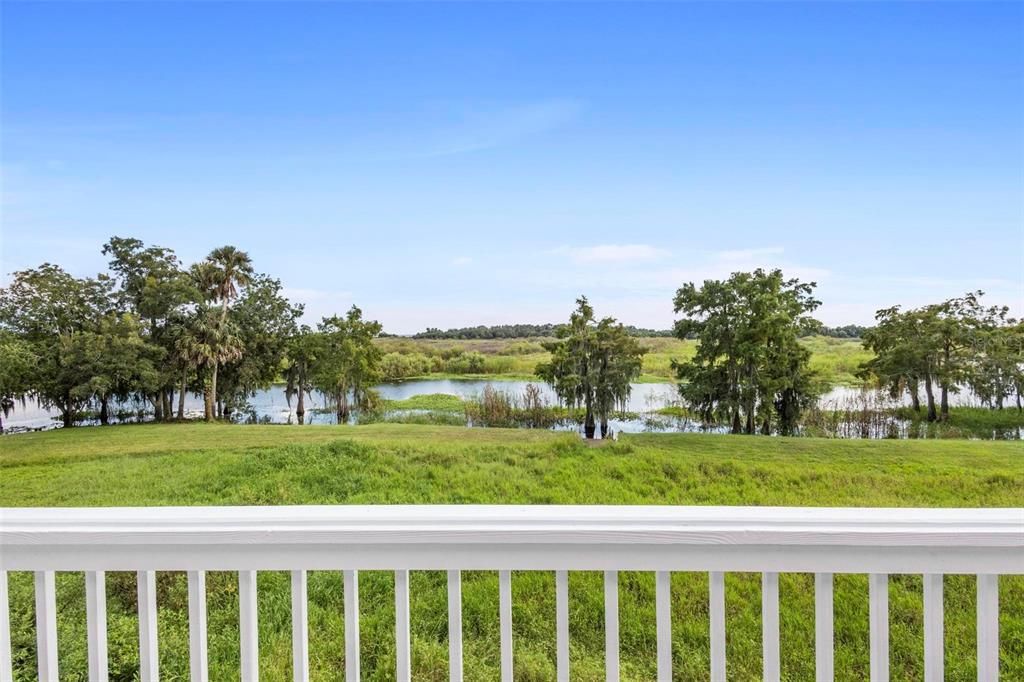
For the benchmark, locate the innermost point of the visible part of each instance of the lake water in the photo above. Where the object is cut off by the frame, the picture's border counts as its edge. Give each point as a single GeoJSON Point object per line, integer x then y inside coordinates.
{"type": "Point", "coordinates": [270, 406]}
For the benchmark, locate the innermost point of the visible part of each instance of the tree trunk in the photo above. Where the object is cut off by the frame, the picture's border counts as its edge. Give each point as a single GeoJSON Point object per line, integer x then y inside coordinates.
{"type": "Point", "coordinates": [944, 408]}
{"type": "Point", "coordinates": [104, 411]}
{"type": "Point", "coordinates": [158, 413]}
{"type": "Point", "coordinates": [213, 388]}
{"type": "Point", "coordinates": [604, 427]}
{"type": "Point", "coordinates": [207, 401]}
{"type": "Point", "coordinates": [300, 409]}
{"type": "Point", "coordinates": [932, 415]}
{"type": "Point", "coordinates": [737, 426]}
{"type": "Point", "coordinates": [915, 393]}
{"type": "Point", "coordinates": [67, 411]}
{"type": "Point", "coordinates": [342, 404]}
{"type": "Point", "coordinates": [181, 395]}
{"type": "Point", "coordinates": [589, 427]}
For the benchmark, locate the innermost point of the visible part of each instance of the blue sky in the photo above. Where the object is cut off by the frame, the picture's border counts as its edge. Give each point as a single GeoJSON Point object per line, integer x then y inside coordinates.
{"type": "Point", "coordinates": [452, 164]}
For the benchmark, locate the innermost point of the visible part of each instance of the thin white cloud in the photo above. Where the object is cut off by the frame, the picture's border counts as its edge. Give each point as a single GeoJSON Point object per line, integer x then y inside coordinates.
{"type": "Point", "coordinates": [481, 128]}
{"type": "Point", "coordinates": [612, 253]}
{"type": "Point", "coordinates": [461, 261]}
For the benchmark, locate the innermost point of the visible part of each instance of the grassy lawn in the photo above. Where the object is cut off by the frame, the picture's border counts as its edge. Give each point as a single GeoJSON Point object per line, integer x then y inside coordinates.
{"type": "Point", "coordinates": [199, 464]}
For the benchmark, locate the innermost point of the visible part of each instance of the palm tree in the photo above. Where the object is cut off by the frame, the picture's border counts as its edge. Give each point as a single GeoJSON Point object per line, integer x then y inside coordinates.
{"type": "Point", "coordinates": [233, 269]}
{"type": "Point", "coordinates": [220, 276]}
{"type": "Point", "coordinates": [205, 343]}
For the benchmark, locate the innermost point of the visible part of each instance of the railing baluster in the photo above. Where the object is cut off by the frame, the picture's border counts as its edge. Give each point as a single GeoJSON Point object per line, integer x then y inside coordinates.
{"type": "Point", "coordinates": [878, 616]}
{"type": "Point", "coordinates": [934, 644]}
{"type": "Point", "coordinates": [46, 624]}
{"type": "Point", "coordinates": [403, 662]}
{"type": "Point", "coordinates": [6, 666]}
{"type": "Point", "coordinates": [562, 624]}
{"type": "Point", "coordinates": [663, 617]}
{"type": "Point", "coordinates": [149, 655]}
{"type": "Point", "coordinates": [96, 625]}
{"type": "Point", "coordinates": [611, 626]}
{"type": "Point", "coordinates": [197, 642]}
{"type": "Point", "coordinates": [770, 627]}
{"type": "Point", "coordinates": [717, 608]}
{"type": "Point", "coordinates": [300, 628]}
{"type": "Point", "coordinates": [351, 579]}
{"type": "Point", "coordinates": [455, 626]}
{"type": "Point", "coordinates": [505, 618]}
{"type": "Point", "coordinates": [823, 660]}
{"type": "Point", "coordinates": [988, 627]}
{"type": "Point", "coordinates": [248, 626]}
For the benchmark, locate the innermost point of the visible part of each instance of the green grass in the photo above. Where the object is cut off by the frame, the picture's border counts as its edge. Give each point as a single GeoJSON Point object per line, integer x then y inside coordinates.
{"type": "Point", "coordinates": [444, 402]}
{"type": "Point", "coordinates": [978, 422]}
{"type": "Point", "coordinates": [198, 464]}
{"type": "Point", "coordinates": [835, 360]}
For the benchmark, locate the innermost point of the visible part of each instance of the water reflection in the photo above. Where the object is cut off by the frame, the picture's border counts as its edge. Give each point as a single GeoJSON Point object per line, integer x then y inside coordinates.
{"type": "Point", "coordinates": [842, 412]}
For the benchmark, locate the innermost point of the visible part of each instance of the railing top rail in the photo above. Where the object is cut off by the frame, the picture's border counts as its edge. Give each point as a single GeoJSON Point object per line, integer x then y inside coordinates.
{"type": "Point", "coordinates": [517, 524]}
{"type": "Point", "coordinates": [439, 536]}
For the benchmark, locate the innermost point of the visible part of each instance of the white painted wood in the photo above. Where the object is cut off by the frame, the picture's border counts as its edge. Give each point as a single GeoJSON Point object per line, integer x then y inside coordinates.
{"type": "Point", "coordinates": [663, 622]}
{"type": "Point", "coordinates": [770, 627]}
{"type": "Point", "coordinates": [988, 628]}
{"type": "Point", "coordinates": [562, 625]}
{"type": "Point", "coordinates": [717, 609]}
{"type": "Point", "coordinates": [149, 654]}
{"type": "Point", "coordinates": [878, 618]}
{"type": "Point", "coordinates": [6, 667]}
{"type": "Point", "coordinates": [516, 538]}
{"type": "Point", "coordinates": [823, 630]}
{"type": "Point", "coordinates": [248, 626]}
{"type": "Point", "coordinates": [351, 580]}
{"type": "Point", "coordinates": [403, 655]}
{"type": "Point", "coordinates": [934, 639]}
{"type": "Point", "coordinates": [985, 542]}
{"type": "Point", "coordinates": [505, 623]}
{"type": "Point", "coordinates": [611, 626]}
{"type": "Point", "coordinates": [197, 639]}
{"type": "Point", "coordinates": [46, 625]}
{"type": "Point", "coordinates": [455, 626]}
{"type": "Point", "coordinates": [96, 625]}
{"type": "Point", "coordinates": [300, 628]}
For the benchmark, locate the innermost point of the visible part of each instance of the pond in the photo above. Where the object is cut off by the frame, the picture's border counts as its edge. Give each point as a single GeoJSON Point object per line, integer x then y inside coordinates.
{"type": "Point", "coordinates": [270, 406]}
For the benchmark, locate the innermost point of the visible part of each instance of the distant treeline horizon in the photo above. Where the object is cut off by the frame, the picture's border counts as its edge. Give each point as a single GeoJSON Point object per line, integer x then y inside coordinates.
{"type": "Point", "coordinates": [526, 331]}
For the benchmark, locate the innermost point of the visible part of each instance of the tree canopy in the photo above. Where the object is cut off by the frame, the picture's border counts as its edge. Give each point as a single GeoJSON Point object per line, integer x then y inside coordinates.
{"type": "Point", "coordinates": [957, 343]}
{"type": "Point", "coordinates": [592, 366]}
{"type": "Point", "coordinates": [154, 327]}
{"type": "Point", "coordinates": [750, 371]}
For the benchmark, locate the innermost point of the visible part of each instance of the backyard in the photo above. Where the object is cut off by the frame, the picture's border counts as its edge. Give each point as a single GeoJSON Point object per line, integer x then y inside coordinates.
{"type": "Point", "coordinates": [214, 464]}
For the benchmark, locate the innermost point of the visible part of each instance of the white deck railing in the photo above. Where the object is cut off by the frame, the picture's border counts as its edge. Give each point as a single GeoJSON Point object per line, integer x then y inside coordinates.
{"type": "Point", "coordinates": [932, 542]}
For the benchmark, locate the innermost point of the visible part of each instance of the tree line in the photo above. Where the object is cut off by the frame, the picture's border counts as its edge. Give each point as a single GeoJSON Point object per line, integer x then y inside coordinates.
{"type": "Point", "coordinates": [153, 330]}
{"type": "Point", "coordinates": [527, 331]}
{"type": "Point", "coordinates": [519, 331]}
